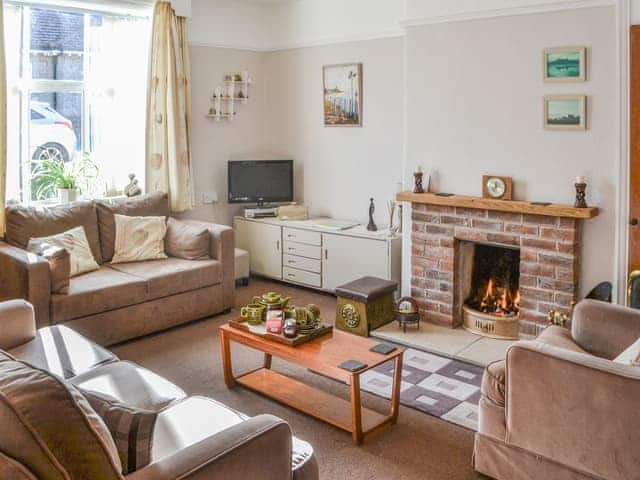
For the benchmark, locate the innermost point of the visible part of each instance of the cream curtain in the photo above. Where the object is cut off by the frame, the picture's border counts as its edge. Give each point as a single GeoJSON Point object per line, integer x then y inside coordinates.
{"type": "Point", "coordinates": [3, 123]}
{"type": "Point", "coordinates": [168, 142]}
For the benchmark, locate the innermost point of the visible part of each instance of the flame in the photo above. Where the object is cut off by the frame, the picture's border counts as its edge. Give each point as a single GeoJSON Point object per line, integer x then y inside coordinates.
{"type": "Point", "coordinates": [502, 303]}
{"type": "Point", "coordinates": [489, 292]}
{"type": "Point", "coordinates": [516, 301]}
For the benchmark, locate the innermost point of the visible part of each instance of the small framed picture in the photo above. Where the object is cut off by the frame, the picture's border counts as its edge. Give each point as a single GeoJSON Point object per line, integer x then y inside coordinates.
{"type": "Point", "coordinates": [564, 64]}
{"type": "Point", "coordinates": [342, 90]}
{"type": "Point", "coordinates": [565, 112]}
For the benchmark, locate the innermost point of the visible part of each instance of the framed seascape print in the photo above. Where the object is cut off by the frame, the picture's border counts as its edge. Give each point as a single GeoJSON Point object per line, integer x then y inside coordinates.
{"type": "Point", "coordinates": [564, 64]}
{"type": "Point", "coordinates": [565, 112]}
{"type": "Point", "coordinates": [342, 95]}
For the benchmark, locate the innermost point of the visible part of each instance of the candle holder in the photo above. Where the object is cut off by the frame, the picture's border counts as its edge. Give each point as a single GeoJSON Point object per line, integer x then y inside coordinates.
{"type": "Point", "coordinates": [581, 189]}
{"type": "Point", "coordinates": [417, 179]}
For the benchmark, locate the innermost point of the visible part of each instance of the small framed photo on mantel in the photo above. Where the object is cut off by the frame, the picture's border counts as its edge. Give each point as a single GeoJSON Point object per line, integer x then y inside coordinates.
{"type": "Point", "coordinates": [565, 112]}
{"type": "Point", "coordinates": [564, 64]}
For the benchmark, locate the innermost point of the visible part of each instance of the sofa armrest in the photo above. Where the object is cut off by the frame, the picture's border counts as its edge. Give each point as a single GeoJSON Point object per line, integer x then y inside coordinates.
{"type": "Point", "coordinates": [17, 324]}
{"type": "Point", "coordinates": [259, 447]}
{"type": "Point", "coordinates": [603, 329]}
{"type": "Point", "coordinates": [222, 248]}
{"type": "Point", "coordinates": [573, 408]}
{"type": "Point", "coordinates": [25, 275]}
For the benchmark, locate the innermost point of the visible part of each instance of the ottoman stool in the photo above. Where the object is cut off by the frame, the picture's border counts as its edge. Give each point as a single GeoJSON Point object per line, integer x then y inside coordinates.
{"type": "Point", "coordinates": [242, 267]}
{"type": "Point", "coordinates": [365, 304]}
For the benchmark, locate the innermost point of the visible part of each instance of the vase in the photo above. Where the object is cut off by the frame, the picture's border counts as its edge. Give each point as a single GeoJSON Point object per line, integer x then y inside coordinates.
{"type": "Point", "coordinates": [67, 195]}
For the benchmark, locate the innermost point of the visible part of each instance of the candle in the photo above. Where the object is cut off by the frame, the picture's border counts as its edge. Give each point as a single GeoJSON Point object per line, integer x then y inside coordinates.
{"type": "Point", "coordinates": [580, 179]}
{"type": "Point", "coordinates": [418, 169]}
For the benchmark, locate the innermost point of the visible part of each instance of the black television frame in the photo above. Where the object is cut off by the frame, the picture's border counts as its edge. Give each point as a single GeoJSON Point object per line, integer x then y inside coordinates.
{"type": "Point", "coordinates": [259, 201]}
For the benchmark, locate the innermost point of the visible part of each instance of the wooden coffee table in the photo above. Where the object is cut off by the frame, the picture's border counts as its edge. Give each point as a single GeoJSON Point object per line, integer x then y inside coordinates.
{"type": "Point", "coordinates": [322, 355]}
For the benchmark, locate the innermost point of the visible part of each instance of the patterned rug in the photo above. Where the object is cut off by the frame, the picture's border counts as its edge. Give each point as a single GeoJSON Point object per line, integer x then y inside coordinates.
{"type": "Point", "coordinates": [445, 388]}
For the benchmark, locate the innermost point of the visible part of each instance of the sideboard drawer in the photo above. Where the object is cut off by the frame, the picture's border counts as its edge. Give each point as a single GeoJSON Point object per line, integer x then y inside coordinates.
{"type": "Point", "coordinates": [300, 276]}
{"type": "Point", "coordinates": [309, 251]}
{"type": "Point", "coordinates": [302, 236]}
{"type": "Point", "coordinates": [303, 263]}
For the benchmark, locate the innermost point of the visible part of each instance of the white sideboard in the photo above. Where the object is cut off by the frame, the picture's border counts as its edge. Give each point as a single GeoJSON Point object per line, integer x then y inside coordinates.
{"type": "Point", "coordinates": [305, 253]}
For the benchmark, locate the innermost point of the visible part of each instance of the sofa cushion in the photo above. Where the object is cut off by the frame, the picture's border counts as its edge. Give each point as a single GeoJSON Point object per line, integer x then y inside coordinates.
{"type": "Point", "coordinates": [139, 239]}
{"type": "Point", "coordinates": [75, 242]}
{"type": "Point", "coordinates": [130, 384]}
{"type": "Point", "coordinates": [493, 382]}
{"type": "Point", "coordinates": [24, 222]}
{"type": "Point", "coordinates": [50, 428]}
{"type": "Point", "coordinates": [152, 204]}
{"type": "Point", "coordinates": [173, 275]}
{"type": "Point", "coordinates": [63, 352]}
{"type": "Point", "coordinates": [95, 292]}
{"type": "Point", "coordinates": [184, 240]}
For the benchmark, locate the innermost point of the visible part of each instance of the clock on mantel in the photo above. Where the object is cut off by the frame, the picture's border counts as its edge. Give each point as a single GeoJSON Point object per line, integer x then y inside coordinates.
{"type": "Point", "coordinates": [496, 187]}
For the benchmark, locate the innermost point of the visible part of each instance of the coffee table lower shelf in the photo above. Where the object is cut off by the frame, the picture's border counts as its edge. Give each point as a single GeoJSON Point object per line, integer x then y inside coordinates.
{"type": "Point", "coordinates": [312, 401]}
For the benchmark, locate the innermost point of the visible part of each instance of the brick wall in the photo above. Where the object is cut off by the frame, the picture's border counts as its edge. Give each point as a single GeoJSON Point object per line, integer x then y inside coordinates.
{"type": "Point", "coordinates": [549, 259]}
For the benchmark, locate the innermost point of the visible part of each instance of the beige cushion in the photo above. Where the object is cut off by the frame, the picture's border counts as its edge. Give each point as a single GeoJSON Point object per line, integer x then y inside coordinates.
{"type": "Point", "coordinates": [50, 428]}
{"type": "Point", "coordinates": [631, 355]}
{"type": "Point", "coordinates": [152, 204]}
{"type": "Point", "coordinates": [24, 222]}
{"type": "Point", "coordinates": [73, 241]}
{"type": "Point", "coordinates": [130, 384]}
{"type": "Point", "coordinates": [96, 292]}
{"type": "Point", "coordinates": [187, 241]}
{"type": "Point", "coordinates": [173, 275]}
{"type": "Point", "coordinates": [139, 238]}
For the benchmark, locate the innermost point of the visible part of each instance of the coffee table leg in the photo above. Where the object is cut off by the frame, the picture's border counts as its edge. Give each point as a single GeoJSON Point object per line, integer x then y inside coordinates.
{"type": "Point", "coordinates": [395, 395]}
{"type": "Point", "coordinates": [356, 410]}
{"type": "Point", "coordinates": [226, 360]}
{"type": "Point", "coordinates": [267, 361]}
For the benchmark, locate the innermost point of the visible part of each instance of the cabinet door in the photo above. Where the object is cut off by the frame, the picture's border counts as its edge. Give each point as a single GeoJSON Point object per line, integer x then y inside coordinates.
{"type": "Point", "coordinates": [345, 259]}
{"type": "Point", "coordinates": [264, 244]}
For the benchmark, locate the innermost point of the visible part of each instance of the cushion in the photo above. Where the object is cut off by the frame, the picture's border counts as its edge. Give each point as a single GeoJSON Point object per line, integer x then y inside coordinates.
{"type": "Point", "coordinates": [173, 275]}
{"type": "Point", "coordinates": [139, 238]}
{"type": "Point", "coordinates": [130, 427]}
{"type": "Point", "coordinates": [75, 242]}
{"type": "Point", "coordinates": [50, 428]}
{"type": "Point", "coordinates": [24, 222]}
{"type": "Point", "coordinates": [631, 355]}
{"type": "Point", "coordinates": [493, 382]}
{"type": "Point", "coordinates": [63, 352]}
{"type": "Point", "coordinates": [100, 291]}
{"type": "Point", "coordinates": [186, 241]}
{"type": "Point", "coordinates": [130, 384]}
{"type": "Point", "coordinates": [152, 204]}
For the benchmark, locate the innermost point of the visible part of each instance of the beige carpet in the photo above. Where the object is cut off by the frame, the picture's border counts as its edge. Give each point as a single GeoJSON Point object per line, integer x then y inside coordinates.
{"type": "Point", "coordinates": [418, 447]}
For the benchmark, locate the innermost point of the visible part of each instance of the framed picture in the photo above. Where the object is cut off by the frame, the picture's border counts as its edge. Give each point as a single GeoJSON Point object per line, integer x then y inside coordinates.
{"type": "Point", "coordinates": [565, 112]}
{"type": "Point", "coordinates": [342, 94]}
{"type": "Point", "coordinates": [564, 64]}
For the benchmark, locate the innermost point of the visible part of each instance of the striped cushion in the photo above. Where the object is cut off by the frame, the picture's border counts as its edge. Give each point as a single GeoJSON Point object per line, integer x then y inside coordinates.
{"type": "Point", "coordinates": [130, 427]}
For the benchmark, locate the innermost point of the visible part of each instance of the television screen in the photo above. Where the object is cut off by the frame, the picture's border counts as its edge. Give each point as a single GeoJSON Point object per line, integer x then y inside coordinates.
{"type": "Point", "coordinates": [260, 181]}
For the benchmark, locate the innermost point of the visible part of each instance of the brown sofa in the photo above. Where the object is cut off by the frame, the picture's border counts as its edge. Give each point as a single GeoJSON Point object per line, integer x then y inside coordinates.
{"type": "Point", "coordinates": [559, 407]}
{"type": "Point", "coordinates": [122, 301]}
{"type": "Point", "coordinates": [193, 438]}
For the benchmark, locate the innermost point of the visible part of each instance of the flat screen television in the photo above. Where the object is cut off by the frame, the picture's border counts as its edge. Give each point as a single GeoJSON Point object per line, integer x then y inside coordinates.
{"type": "Point", "coordinates": [260, 181]}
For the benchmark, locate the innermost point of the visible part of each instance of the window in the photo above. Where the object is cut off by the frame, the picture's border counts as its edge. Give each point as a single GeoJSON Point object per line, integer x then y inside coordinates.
{"type": "Point", "coordinates": [76, 86]}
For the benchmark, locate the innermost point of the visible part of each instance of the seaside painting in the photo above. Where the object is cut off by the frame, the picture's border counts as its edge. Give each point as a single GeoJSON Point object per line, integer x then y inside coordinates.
{"type": "Point", "coordinates": [342, 95]}
{"type": "Point", "coordinates": [565, 112]}
{"type": "Point", "coordinates": [565, 64]}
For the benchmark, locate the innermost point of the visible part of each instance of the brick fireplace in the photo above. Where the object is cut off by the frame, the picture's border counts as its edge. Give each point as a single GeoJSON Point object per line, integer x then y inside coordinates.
{"type": "Point", "coordinates": [549, 256]}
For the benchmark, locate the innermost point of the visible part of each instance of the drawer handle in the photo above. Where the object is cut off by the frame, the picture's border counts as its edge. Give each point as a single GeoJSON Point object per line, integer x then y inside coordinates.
{"type": "Point", "coordinates": [291, 249]}
{"type": "Point", "coordinates": [290, 236]}
{"type": "Point", "coordinates": [291, 261]}
{"type": "Point", "coordinates": [291, 275]}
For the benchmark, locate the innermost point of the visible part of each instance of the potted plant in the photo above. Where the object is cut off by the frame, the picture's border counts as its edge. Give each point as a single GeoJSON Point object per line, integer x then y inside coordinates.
{"type": "Point", "coordinates": [54, 176]}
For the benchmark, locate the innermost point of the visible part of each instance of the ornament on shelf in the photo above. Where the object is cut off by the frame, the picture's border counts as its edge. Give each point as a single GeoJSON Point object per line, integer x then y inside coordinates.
{"type": "Point", "coordinates": [581, 192]}
{"type": "Point", "coordinates": [417, 180]}
{"type": "Point", "coordinates": [132, 189]}
{"type": "Point", "coordinates": [372, 225]}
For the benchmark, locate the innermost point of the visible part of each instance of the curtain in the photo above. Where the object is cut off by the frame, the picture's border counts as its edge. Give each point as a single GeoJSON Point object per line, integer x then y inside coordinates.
{"type": "Point", "coordinates": [3, 123]}
{"type": "Point", "coordinates": [168, 140]}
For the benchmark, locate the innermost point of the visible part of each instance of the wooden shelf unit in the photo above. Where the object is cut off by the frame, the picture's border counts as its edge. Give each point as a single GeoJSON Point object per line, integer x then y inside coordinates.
{"type": "Point", "coordinates": [513, 206]}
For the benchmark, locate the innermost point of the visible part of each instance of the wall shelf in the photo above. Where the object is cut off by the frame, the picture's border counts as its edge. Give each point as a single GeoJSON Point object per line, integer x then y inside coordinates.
{"type": "Point", "coordinates": [228, 95]}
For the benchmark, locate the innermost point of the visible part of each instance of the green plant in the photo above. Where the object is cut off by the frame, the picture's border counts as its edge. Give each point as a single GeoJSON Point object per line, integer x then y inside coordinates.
{"type": "Point", "coordinates": [49, 175]}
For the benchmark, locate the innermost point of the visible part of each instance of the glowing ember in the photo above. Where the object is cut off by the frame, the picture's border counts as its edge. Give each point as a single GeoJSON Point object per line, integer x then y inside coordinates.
{"type": "Point", "coordinates": [496, 300]}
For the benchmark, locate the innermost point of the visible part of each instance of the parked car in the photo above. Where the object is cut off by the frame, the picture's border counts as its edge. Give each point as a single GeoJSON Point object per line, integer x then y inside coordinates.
{"type": "Point", "coordinates": [51, 134]}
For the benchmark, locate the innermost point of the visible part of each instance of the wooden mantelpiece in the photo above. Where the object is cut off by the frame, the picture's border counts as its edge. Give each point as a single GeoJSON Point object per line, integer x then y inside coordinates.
{"type": "Point", "coordinates": [513, 206]}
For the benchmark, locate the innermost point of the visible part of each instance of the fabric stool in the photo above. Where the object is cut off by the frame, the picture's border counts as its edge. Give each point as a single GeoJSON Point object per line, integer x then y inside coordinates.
{"type": "Point", "coordinates": [242, 267]}
{"type": "Point", "coordinates": [365, 304]}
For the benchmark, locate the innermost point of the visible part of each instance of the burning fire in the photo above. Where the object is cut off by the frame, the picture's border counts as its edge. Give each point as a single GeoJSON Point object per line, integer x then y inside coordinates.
{"type": "Point", "coordinates": [497, 301]}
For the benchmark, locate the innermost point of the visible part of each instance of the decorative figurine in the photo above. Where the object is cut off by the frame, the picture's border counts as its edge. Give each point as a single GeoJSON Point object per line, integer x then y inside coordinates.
{"type": "Point", "coordinates": [132, 189]}
{"type": "Point", "coordinates": [417, 178]}
{"type": "Point", "coordinates": [556, 317]}
{"type": "Point", "coordinates": [581, 189]}
{"type": "Point", "coordinates": [372, 225]}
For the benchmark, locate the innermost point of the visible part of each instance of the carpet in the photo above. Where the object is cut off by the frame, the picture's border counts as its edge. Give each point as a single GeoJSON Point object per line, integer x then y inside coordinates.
{"type": "Point", "coordinates": [445, 388]}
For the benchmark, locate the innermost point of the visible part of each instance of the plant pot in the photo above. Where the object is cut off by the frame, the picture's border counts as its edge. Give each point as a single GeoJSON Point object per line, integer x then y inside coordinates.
{"type": "Point", "coordinates": [67, 195]}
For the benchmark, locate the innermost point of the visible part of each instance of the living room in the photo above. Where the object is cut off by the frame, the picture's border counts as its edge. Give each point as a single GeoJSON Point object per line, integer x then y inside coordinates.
{"type": "Point", "coordinates": [444, 281]}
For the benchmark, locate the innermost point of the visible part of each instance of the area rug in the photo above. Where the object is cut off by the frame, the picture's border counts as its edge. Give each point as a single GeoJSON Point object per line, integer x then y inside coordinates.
{"type": "Point", "coordinates": [439, 386]}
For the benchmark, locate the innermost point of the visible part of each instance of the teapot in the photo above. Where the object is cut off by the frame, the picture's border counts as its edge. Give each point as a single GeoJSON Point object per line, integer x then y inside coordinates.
{"type": "Point", "coordinates": [272, 300]}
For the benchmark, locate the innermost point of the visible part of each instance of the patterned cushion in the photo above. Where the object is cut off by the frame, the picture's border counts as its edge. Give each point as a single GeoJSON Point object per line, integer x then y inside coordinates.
{"type": "Point", "coordinates": [75, 242]}
{"type": "Point", "coordinates": [139, 238]}
{"type": "Point", "coordinates": [130, 427]}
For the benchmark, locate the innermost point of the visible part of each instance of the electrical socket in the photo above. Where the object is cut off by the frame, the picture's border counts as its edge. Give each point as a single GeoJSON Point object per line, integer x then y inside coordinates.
{"type": "Point", "coordinates": [209, 198]}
